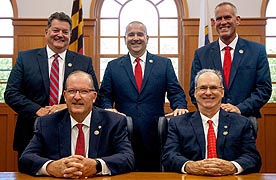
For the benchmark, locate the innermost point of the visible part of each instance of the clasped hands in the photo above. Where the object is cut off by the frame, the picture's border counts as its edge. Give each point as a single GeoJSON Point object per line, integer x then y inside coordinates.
{"type": "Point", "coordinates": [211, 167]}
{"type": "Point", "coordinates": [75, 166]}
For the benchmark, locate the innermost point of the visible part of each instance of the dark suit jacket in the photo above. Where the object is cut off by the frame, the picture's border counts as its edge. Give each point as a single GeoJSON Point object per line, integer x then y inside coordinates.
{"type": "Point", "coordinates": [119, 87]}
{"type": "Point", "coordinates": [52, 141]}
{"type": "Point", "coordinates": [250, 83]}
{"type": "Point", "coordinates": [186, 141]}
{"type": "Point", "coordinates": [29, 85]}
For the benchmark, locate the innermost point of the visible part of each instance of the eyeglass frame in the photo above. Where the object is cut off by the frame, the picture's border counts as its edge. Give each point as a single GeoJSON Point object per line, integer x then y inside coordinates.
{"type": "Point", "coordinates": [82, 92]}
{"type": "Point", "coordinates": [211, 88]}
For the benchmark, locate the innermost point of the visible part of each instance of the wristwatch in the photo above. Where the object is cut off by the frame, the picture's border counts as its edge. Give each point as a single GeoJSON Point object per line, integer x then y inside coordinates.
{"type": "Point", "coordinates": [98, 166]}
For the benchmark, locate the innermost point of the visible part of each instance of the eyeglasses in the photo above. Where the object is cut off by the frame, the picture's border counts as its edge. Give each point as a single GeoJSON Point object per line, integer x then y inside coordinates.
{"type": "Point", "coordinates": [82, 92]}
{"type": "Point", "coordinates": [211, 88]}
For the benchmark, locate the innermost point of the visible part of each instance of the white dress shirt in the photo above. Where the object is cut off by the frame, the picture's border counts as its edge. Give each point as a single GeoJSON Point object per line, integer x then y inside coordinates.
{"type": "Point", "coordinates": [74, 136]}
{"type": "Point", "coordinates": [143, 59]}
{"type": "Point", "coordinates": [215, 120]}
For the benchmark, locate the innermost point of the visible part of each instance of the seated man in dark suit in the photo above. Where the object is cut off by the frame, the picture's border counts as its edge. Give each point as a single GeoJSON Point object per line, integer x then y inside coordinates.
{"type": "Point", "coordinates": [60, 148]}
{"type": "Point", "coordinates": [189, 148]}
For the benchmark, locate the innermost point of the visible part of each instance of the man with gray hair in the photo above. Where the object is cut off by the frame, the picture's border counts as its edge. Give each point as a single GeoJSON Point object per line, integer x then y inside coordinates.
{"type": "Point", "coordinates": [210, 141]}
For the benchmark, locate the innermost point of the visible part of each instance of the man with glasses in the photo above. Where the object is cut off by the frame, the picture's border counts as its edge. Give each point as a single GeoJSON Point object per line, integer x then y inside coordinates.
{"type": "Point", "coordinates": [80, 141]}
{"type": "Point", "coordinates": [210, 141]}
{"type": "Point", "coordinates": [247, 82]}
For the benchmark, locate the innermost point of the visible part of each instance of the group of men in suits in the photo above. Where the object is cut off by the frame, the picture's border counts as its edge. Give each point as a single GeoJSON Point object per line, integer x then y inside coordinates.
{"type": "Point", "coordinates": [249, 89]}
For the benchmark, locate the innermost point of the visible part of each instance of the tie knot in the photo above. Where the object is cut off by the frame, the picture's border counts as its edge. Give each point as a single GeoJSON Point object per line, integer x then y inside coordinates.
{"type": "Point", "coordinates": [227, 48]}
{"type": "Point", "coordinates": [79, 126]}
{"type": "Point", "coordinates": [137, 60]}
{"type": "Point", "coordinates": [210, 122]}
{"type": "Point", "coordinates": [55, 56]}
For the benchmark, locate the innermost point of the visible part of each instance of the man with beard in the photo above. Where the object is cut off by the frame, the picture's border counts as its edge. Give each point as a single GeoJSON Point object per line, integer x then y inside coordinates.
{"type": "Point", "coordinates": [136, 85]}
{"type": "Point", "coordinates": [28, 89]}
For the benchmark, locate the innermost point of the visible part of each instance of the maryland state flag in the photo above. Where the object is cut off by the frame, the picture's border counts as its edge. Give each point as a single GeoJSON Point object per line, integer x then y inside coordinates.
{"type": "Point", "coordinates": [76, 43]}
{"type": "Point", "coordinates": [205, 28]}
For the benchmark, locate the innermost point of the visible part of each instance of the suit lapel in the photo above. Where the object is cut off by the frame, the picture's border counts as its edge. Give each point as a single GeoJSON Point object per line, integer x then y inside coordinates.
{"type": "Point", "coordinates": [238, 55]}
{"type": "Point", "coordinates": [69, 63]}
{"type": "Point", "coordinates": [64, 129]}
{"type": "Point", "coordinates": [216, 56]}
{"type": "Point", "coordinates": [126, 63]}
{"type": "Point", "coordinates": [196, 123]}
{"type": "Point", "coordinates": [223, 131]}
{"type": "Point", "coordinates": [95, 134]}
{"type": "Point", "coordinates": [42, 59]}
{"type": "Point", "coordinates": [148, 68]}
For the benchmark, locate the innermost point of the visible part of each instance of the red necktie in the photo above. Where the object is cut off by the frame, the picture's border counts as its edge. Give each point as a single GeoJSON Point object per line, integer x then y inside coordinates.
{"type": "Point", "coordinates": [54, 84]}
{"type": "Point", "coordinates": [138, 74]}
{"type": "Point", "coordinates": [211, 141]}
{"type": "Point", "coordinates": [227, 65]}
{"type": "Point", "coordinates": [80, 146]}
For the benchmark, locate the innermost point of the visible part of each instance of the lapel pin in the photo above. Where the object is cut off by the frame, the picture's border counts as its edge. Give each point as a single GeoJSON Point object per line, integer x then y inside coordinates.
{"type": "Point", "coordinates": [96, 132]}
{"type": "Point", "coordinates": [225, 133]}
{"type": "Point", "coordinates": [70, 64]}
{"type": "Point", "coordinates": [241, 51]}
{"type": "Point", "coordinates": [150, 61]}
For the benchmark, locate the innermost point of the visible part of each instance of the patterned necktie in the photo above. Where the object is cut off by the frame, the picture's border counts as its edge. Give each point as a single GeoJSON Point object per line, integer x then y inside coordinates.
{"type": "Point", "coordinates": [138, 74]}
{"type": "Point", "coordinates": [80, 145]}
{"type": "Point", "coordinates": [211, 141]}
{"type": "Point", "coordinates": [227, 65]}
{"type": "Point", "coordinates": [54, 82]}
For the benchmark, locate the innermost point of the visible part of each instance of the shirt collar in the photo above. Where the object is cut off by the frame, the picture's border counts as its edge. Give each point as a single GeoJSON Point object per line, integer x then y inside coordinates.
{"type": "Point", "coordinates": [51, 53]}
{"type": "Point", "coordinates": [215, 118]}
{"type": "Point", "coordinates": [142, 58]}
{"type": "Point", "coordinates": [85, 122]}
{"type": "Point", "coordinates": [232, 44]}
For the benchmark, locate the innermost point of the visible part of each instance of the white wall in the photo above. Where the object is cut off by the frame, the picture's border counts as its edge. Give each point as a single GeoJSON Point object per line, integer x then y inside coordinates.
{"type": "Point", "coordinates": [43, 8]}
{"type": "Point", "coordinates": [246, 8]}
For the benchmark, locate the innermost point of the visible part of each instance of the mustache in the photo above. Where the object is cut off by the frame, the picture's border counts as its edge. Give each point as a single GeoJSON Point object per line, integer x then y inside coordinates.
{"type": "Point", "coordinates": [77, 103]}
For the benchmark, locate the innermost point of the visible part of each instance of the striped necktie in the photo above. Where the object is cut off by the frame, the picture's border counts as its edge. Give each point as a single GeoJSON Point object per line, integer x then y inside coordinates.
{"type": "Point", "coordinates": [54, 82]}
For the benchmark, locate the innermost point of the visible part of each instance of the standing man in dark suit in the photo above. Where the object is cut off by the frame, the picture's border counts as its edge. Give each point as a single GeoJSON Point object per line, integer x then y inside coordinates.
{"type": "Point", "coordinates": [28, 87]}
{"type": "Point", "coordinates": [144, 102]}
{"type": "Point", "coordinates": [188, 148]}
{"type": "Point", "coordinates": [53, 148]}
{"type": "Point", "coordinates": [249, 85]}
